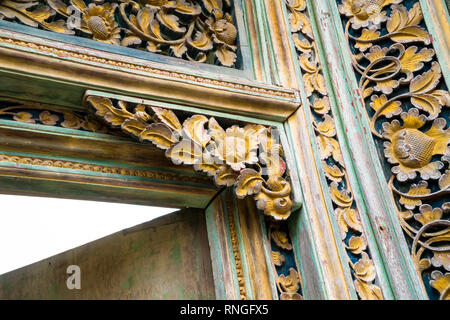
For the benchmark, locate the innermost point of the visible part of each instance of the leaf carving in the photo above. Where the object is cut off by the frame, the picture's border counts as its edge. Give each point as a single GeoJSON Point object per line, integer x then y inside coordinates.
{"type": "Point", "coordinates": [105, 109]}
{"type": "Point", "coordinates": [226, 176]}
{"type": "Point", "coordinates": [168, 117]}
{"type": "Point", "coordinates": [249, 182]}
{"type": "Point", "coordinates": [368, 291]}
{"type": "Point", "coordinates": [159, 134]}
{"type": "Point", "coordinates": [392, 109]}
{"type": "Point", "coordinates": [226, 56]}
{"type": "Point", "coordinates": [419, 189]}
{"type": "Point", "coordinates": [423, 95]}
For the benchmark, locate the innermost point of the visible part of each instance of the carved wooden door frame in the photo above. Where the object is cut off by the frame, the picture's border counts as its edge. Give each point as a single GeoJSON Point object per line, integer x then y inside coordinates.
{"type": "Point", "coordinates": [345, 241]}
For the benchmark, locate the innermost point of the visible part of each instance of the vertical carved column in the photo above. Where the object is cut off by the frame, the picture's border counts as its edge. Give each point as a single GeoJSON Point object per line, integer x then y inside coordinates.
{"type": "Point", "coordinates": [354, 235]}
{"type": "Point", "coordinates": [396, 80]}
{"type": "Point", "coordinates": [314, 234]}
{"type": "Point", "coordinates": [400, 83]}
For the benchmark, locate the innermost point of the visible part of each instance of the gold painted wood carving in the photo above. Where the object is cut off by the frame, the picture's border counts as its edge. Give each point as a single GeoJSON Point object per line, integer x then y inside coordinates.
{"type": "Point", "coordinates": [407, 104]}
{"type": "Point", "coordinates": [248, 158]}
{"type": "Point", "coordinates": [201, 30]}
{"type": "Point", "coordinates": [52, 116]}
{"type": "Point", "coordinates": [288, 279]}
{"type": "Point", "coordinates": [346, 212]}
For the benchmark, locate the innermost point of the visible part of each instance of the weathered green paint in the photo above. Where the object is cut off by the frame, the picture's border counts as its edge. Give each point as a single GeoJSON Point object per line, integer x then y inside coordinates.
{"type": "Point", "coordinates": [178, 268]}
{"type": "Point", "coordinates": [440, 48]}
{"type": "Point", "coordinates": [224, 271]}
{"type": "Point", "coordinates": [395, 270]}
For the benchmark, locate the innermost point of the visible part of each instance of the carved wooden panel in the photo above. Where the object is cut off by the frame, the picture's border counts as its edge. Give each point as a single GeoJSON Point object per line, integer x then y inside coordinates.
{"type": "Point", "coordinates": [195, 30]}
{"type": "Point", "coordinates": [407, 104]}
{"type": "Point", "coordinates": [345, 209]}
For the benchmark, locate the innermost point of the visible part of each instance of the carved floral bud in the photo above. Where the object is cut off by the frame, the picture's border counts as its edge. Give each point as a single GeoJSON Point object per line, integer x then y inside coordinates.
{"type": "Point", "coordinates": [413, 149]}
{"type": "Point", "coordinates": [100, 21]}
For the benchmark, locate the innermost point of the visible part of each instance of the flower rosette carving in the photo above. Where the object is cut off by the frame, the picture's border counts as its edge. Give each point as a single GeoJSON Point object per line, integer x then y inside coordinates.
{"type": "Point", "coordinates": [202, 30]}
{"type": "Point", "coordinates": [346, 213]}
{"type": "Point", "coordinates": [407, 104]}
{"type": "Point", "coordinates": [248, 157]}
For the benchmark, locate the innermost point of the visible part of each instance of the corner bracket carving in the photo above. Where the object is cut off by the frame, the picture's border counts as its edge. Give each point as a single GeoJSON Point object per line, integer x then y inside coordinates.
{"type": "Point", "coordinates": [248, 157]}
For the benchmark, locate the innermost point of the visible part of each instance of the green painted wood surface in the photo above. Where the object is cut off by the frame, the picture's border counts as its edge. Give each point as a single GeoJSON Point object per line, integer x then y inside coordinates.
{"type": "Point", "coordinates": [299, 225]}
{"type": "Point", "coordinates": [167, 258]}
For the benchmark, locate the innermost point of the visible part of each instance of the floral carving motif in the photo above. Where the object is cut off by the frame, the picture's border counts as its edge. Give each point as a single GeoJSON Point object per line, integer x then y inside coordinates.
{"type": "Point", "coordinates": [248, 157]}
{"type": "Point", "coordinates": [51, 116]}
{"type": "Point", "coordinates": [289, 286]}
{"type": "Point", "coordinates": [195, 30]}
{"type": "Point", "coordinates": [365, 13]}
{"type": "Point", "coordinates": [404, 83]}
{"type": "Point", "coordinates": [346, 213]}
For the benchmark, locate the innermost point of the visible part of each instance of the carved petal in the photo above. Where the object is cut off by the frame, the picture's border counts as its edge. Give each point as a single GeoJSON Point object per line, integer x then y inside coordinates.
{"type": "Point", "coordinates": [365, 268]}
{"type": "Point", "coordinates": [47, 118]}
{"type": "Point", "coordinates": [194, 129]}
{"type": "Point", "coordinates": [24, 117]}
{"type": "Point", "coordinates": [357, 244]}
{"type": "Point", "coordinates": [341, 197]}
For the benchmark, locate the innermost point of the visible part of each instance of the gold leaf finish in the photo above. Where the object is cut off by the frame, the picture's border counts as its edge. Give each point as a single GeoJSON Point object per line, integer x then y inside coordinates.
{"type": "Point", "coordinates": [365, 14]}
{"type": "Point", "coordinates": [201, 31]}
{"type": "Point", "coordinates": [387, 59]}
{"type": "Point", "coordinates": [229, 156]}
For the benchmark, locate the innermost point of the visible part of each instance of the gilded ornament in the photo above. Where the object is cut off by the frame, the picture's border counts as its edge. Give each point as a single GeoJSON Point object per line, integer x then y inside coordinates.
{"type": "Point", "coordinates": [100, 22]}
{"type": "Point", "coordinates": [364, 13]}
{"type": "Point", "coordinates": [229, 156]}
{"type": "Point", "coordinates": [193, 30]}
{"type": "Point", "coordinates": [277, 258]}
{"type": "Point", "coordinates": [289, 286]}
{"type": "Point", "coordinates": [441, 283]}
{"type": "Point", "coordinates": [413, 149]}
{"type": "Point", "coordinates": [404, 84]}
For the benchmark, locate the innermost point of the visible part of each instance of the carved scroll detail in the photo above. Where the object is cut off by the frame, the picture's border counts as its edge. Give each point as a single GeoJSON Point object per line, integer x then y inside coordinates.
{"type": "Point", "coordinates": [248, 158]}
{"type": "Point", "coordinates": [346, 212]}
{"type": "Point", "coordinates": [201, 31]}
{"type": "Point", "coordinates": [407, 101]}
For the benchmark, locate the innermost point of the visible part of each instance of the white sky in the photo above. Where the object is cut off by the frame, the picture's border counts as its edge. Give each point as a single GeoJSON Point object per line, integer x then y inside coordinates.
{"type": "Point", "coordinates": [34, 228]}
